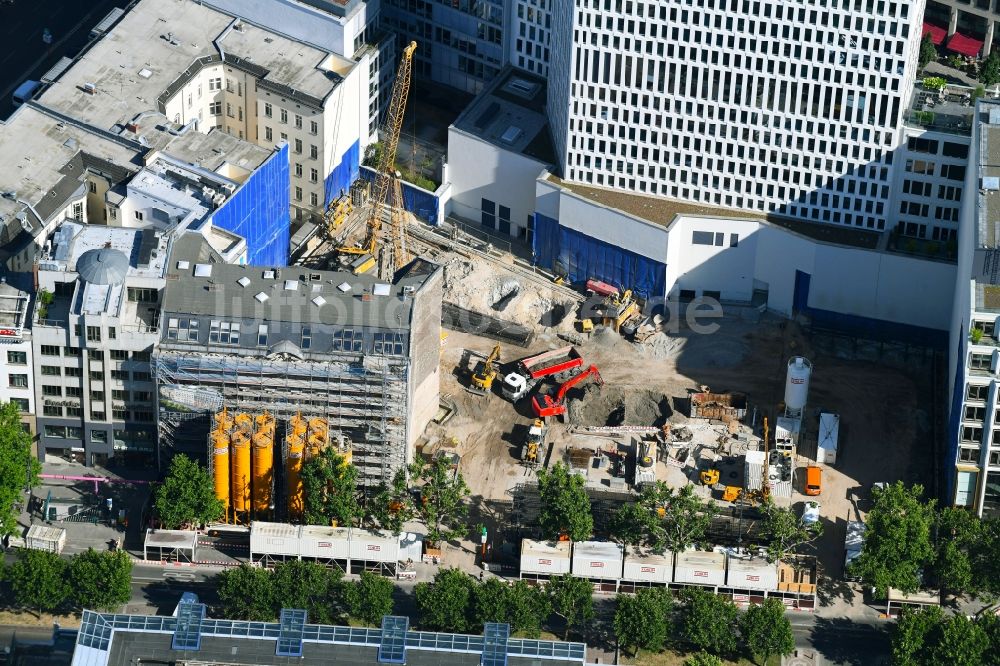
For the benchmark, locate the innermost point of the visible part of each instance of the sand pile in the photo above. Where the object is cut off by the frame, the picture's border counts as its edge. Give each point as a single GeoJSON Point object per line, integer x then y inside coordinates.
{"type": "Point", "coordinates": [485, 289]}
{"type": "Point", "coordinates": [612, 406]}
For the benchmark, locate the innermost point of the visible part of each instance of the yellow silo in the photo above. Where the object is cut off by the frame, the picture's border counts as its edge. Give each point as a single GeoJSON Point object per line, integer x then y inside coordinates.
{"type": "Point", "coordinates": [223, 421]}
{"type": "Point", "coordinates": [293, 471]}
{"type": "Point", "coordinates": [244, 422]}
{"type": "Point", "coordinates": [263, 470]}
{"type": "Point", "coordinates": [265, 423]}
{"type": "Point", "coordinates": [241, 472]}
{"type": "Point", "coordinates": [298, 425]}
{"type": "Point", "coordinates": [220, 466]}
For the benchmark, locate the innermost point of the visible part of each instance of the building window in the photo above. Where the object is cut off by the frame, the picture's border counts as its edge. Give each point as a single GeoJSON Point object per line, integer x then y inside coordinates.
{"type": "Point", "coordinates": [298, 168]}
{"type": "Point", "coordinates": [47, 389]}
{"type": "Point", "coordinates": [78, 211]}
{"type": "Point", "coordinates": [50, 350]}
{"type": "Point", "coordinates": [73, 392]}
{"type": "Point", "coordinates": [142, 396]}
{"type": "Point", "coordinates": [18, 357]}
{"type": "Point", "coordinates": [52, 370]}
{"type": "Point", "coordinates": [968, 455]}
{"type": "Point", "coordinates": [52, 410]}
{"type": "Point", "coordinates": [488, 209]}
{"type": "Point", "coordinates": [112, 333]}
{"type": "Point", "coordinates": [56, 432]}
{"type": "Point", "coordinates": [215, 84]}
{"type": "Point", "coordinates": [313, 199]}
{"type": "Point", "coordinates": [100, 436]}
{"type": "Point", "coordinates": [22, 404]}
{"type": "Point", "coordinates": [121, 375]}
{"type": "Point", "coordinates": [95, 355]}
{"type": "Point", "coordinates": [974, 414]}
{"type": "Point", "coordinates": [119, 414]}
{"type": "Point", "coordinates": [283, 115]}
{"type": "Point", "coordinates": [142, 295]}
{"type": "Point", "coordinates": [18, 381]}
{"type": "Point", "coordinates": [972, 434]}
{"type": "Point", "coordinates": [976, 361]}
{"type": "Point", "coordinates": [74, 432]}
{"type": "Point", "coordinates": [298, 121]}
{"type": "Point", "coordinates": [262, 335]}
{"type": "Point", "coordinates": [268, 134]}
{"type": "Point", "coordinates": [734, 240]}
{"type": "Point", "coordinates": [298, 194]}
{"type": "Point", "coordinates": [73, 352]}
{"type": "Point", "coordinates": [73, 372]}
{"type": "Point", "coordinates": [141, 356]}
{"type": "Point", "coordinates": [348, 340]}
{"type": "Point", "coordinates": [215, 108]}
{"type": "Point", "coordinates": [224, 332]}
{"type": "Point", "coordinates": [229, 109]}
{"type": "Point", "coordinates": [140, 376]}
{"type": "Point", "coordinates": [98, 416]}
{"type": "Point", "coordinates": [76, 412]}
{"type": "Point", "coordinates": [313, 127]}
{"type": "Point", "coordinates": [183, 329]}
{"type": "Point", "coordinates": [119, 355]}
{"type": "Point", "coordinates": [702, 238]}
{"type": "Point", "coordinates": [313, 175]}
{"type": "Point", "coordinates": [268, 112]}
{"type": "Point", "coordinates": [97, 396]}
{"type": "Point", "coordinates": [313, 152]}
{"type": "Point", "coordinates": [143, 415]}
{"type": "Point", "coordinates": [93, 334]}
{"type": "Point", "coordinates": [119, 394]}
{"type": "Point", "coordinates": [306, 337]}
{"type": "Point", "coordinates": [298, 149]}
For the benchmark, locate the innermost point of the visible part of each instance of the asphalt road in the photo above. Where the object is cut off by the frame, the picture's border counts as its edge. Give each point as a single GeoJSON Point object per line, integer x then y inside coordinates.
{"type": "Point", "coordinates": [25, 55]}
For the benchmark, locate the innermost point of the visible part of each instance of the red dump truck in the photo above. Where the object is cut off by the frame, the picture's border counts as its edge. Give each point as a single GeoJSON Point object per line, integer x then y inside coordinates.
{"type": "Point", "coordinates": [529, 371]}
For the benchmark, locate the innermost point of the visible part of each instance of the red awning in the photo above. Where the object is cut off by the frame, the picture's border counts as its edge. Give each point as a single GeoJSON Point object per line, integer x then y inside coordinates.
{"type": "Point", "coordinates": [965, 45]}
{"type": "Point", "coordinates": [937, 34]}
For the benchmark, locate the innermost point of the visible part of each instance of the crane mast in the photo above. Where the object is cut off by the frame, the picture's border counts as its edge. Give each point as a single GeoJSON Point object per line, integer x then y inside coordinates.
{"type": "Point", "coordinates": [387, 189]}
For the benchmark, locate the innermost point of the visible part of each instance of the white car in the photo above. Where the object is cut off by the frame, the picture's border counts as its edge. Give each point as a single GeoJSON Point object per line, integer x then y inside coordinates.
{"type": "Point", "coordinates": [810, 513]}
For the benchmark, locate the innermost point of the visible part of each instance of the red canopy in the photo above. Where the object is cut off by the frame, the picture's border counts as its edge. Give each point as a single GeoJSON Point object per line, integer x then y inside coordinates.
{"type": "Point", "coordinates": [965, 45]}
{"type": "Point", "coordinates": [937, 34]}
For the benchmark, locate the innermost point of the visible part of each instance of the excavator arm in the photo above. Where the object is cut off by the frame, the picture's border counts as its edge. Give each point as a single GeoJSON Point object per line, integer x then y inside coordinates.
{"type": "Point", "coordinates": [545, 406]}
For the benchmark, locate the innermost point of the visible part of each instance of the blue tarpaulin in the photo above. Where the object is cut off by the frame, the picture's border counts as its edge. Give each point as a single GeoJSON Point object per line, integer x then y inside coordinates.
{"type": "Point", "coordinates": [346, 172]}
{"type": "Point", "coordinates": [417, 200]}
{"type": "Point", "coordinates": [258, 211]}
{"type": "Point", "coordinates": [580, 257]}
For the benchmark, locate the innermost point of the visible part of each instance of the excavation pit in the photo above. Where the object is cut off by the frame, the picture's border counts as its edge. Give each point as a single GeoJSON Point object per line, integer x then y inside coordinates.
{"type": "Point", "coordinates": [613, 406]}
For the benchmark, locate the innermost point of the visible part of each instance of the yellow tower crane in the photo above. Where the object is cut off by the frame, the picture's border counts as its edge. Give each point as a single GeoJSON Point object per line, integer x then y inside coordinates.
{"type": "Point", "coordinates": [387, 189]}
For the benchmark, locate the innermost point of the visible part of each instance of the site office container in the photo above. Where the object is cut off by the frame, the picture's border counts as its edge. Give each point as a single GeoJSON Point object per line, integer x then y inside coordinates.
{"type": "Point", "coordinates": [50, 539]}
{"type": "Point", "coordinates": [325, 543]}
{"type": "Point", "coordinates": [700, 567]}
{"type": "Point", "coordinates": [545, 558]}
{"type": "Point", "coordinates": [370, 547]}
{"type": "Point", "coordinates": [598, 561]}
{"type": "Point", "coordinates": [274, 539]}
{"type": "Point", "coordinates": [754, 469]}
{"type": "Point", "coordinates": [829, 433]}
{"type": "Point", "coordinates": [643, 567]}
{"type": "Point", "coordinates": [751, 574]}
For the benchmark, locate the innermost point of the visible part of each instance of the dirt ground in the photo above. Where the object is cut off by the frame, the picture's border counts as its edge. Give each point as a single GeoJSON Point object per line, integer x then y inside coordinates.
{"type": "Point", "coordinates": [885, 430]}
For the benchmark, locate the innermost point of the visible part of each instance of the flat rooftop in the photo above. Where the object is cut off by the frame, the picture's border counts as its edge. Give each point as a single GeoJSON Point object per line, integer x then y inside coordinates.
{"type": "Point", "coordinates": [988, 213]}
{"type": "Point", "coordinates": [159, 45]}
{"type": "Point", "coordinates": [218, 151]}
{"type": "Point", "coordinates": [662, 211]}
{"type": "Point", "coordinates": [950, 112]}
{"type": "Point", "coordinates": [510, 113]}
{"type": "Point", "coordinates": [13, 307]}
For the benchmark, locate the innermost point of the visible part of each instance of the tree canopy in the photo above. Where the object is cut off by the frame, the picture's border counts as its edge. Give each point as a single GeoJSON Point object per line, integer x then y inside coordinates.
{"type": "Point", "coordinates": [246, 593]}
{"type": "Point", "coordinates": [957, 531]}
{"type": "Point", "coordinates": [565, 504]}
{"type": "Point", "coordinates": [369, 598]}
{"type": "Point", "coordinates": [703, 659]}
{"type": "Point", "coordinates": [928, 637]}
{"type": "Point", "coordinates": [442, 504]}
{"type": "Point", "coordinates": [297, 584]}
{"type": "Point", "coordinates": [18, 468]}
{"type": "Point", "coordinates": [391, 506]}
{"type": "Point", "coordinates": [446, 602]}
{"type": "Point", "coordinates": [928, 52]}
{"type": "Point", "coordinates": [38, 580]}
{"type": "Point", "coordinates": [572, 599]}
{"type": "Point", "coordinates": [643, 620]}
{"type": "Point", "coordinates": [784, 531]}
{"type": "Point", "coordinates": [766, 630]}
{"type": "Point", "coordinates": [989, 72]}
{"type": "Point", "coordinates": [897, 545]}
{"type": "Point", "coordinates": [187, 496]}
{"type": "Point", "coordinates": [709, 621]}
{"type": "Point", "coordinates": [101, 580]}
{"type": "Point", "coordinates": [330, 489]}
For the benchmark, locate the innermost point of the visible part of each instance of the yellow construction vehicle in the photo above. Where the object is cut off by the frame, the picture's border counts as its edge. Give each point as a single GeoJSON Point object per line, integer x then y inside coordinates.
{"type": "Point", "coordinates": [732, 494]}
{"type": "Point", "coordinates": [386, 189]}
{"type": "Point", "coordinates": [534, 443]}
{"type": "Point", "coordinates": [336, 214]}
{"type": "Point", "coordinates": [709, 477]}
{"type": "Point", "coordinates": [484, 374]}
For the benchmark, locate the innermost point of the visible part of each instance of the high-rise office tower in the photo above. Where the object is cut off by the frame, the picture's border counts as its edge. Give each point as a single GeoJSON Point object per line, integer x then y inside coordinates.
{"type": "Point", "coordinates": [787, 107]}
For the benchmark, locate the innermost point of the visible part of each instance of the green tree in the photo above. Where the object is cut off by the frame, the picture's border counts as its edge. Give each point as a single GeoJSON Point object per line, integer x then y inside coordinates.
{"type": "Point", "coordinates": [959, 642]}
{"type": "Point", "coordinates": [957, 532]}
{"type": "Point", "coordinates": [686, 518]}
{"type": "Point", "coordinates": [984, 560]}
{"type": "Point", "coordinates": [897, 544]}
{"type": "Point", "coordinates": [642, 620]}
{"type": "Point", "coordinates": [990, 624]}
{"type": "Point", "coordinates": [928, 52]}
{"type": "Point", "coordinates": [633, 525]}
{"type": "Point", "coordinates": [442, 504]}
{"type": "Point", "coordinates": [910, 637]}
{"type": "Point", "coordinates": [308, 585]}
{"type": "Point", "coordinates": [703, 659]}
{"type": "Point", "coordinates": [247, 593]}
{"type": "Point", "coordinates": [446, 603]}
{"type": "Point", "coordinates": [330, 489]}
{"type": "Point", "coordinates": [491, 602]}
{"type": "Point", "coordinates": [38, 580]}
{"type": "Point", "coordinates": [989, 73]}
{"type": "Point", "coordinates": [565, 504]}
{"type": "Point", "coordinates": [766, 630]}
{"type": "Point", "coordinates": [784, 531]}
{"type": "Point", "coordinates": [572, 599]}
{"type": "Point", "coordinates": [18, 468]}
{"type": "Point", "coordinates": [187, 496]}
{"type": "Point", "coordinates": [369, 598]}
{"type": "Point", "coordinates": [527, 608]}
{"type": "Point", "coordinates": [101, 581]}
{"type": "Point", "coordinates": [708, 621]}
{"type": "Point", "coordinates": [391, 506]}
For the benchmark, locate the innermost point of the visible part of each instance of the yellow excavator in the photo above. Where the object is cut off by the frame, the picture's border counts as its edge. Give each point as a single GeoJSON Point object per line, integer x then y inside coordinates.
{"type": "Point", "coordinates": [336, 214]}
{"type": "Point", "coordinates": [387, 189]}
{"type": "Point", "coordinates": [485, 373]}
{"type": "Point", "coordinates": [534, 443]}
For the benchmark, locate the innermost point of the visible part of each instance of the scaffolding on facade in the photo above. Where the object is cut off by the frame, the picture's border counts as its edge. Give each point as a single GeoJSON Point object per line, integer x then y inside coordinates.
{"type": "Point", "coordinates": [363, 397]}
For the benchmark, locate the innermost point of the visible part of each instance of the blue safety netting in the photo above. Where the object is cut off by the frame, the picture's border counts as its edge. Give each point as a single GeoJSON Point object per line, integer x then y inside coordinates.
{"type": "Point", "coordinates": [258, 211]}
{"type": "Point", "coordinates": [580, 257]}
{"type": "Point", "coordinates": [346, 172]}
{"type": "Point", "coordinates": [868, 328]}
{"type": "Point", "coordinates": [417, 200]}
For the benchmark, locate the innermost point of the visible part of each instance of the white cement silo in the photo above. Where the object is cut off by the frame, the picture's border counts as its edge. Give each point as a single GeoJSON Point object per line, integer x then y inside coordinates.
{"type": "Point", "coordinates": [797, 385]}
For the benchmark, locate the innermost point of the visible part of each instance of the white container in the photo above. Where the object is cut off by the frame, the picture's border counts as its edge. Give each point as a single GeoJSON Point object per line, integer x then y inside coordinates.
{"type": "Point", "coordinates": [700, 567]}
{"type": "Point", "coordinates": [597, 559]}
{"type": "Point", "coordinates": [372, 547]}
{"type": "Point", "coordinates": [648, 567]}
{"type": "Point", "coordinates": [545, 557]}
{"type": "Point", "coordinates": [50, 539]}
{"type": "Point", "coordinates": [829, 434]}
{"type": "Point", "coordinates": [786, 434]}
{"type": "Point", "coordinates": [754, 469]}
{"type": "Point", "coordinates": [274, 539]}
{"type": "Point", "coordinates": [751, 574]}
{"type": "Point", "coordinates": [411, 546]}
{"type": "Point", "coordinates": [325, 543]}
{"type": "Point", "coordinates": [797, 385]}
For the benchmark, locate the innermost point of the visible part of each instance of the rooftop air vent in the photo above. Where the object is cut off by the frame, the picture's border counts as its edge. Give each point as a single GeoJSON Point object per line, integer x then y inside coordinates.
{"type": "Point", "coordinates": [381, 289]}
{"type": "Point", "coordinates": [244, 281]}
{"type": "Point", "coordinates": [203, 270]}
{"type": "Point", "coordinates": [344, 287]}
{"type": "Point", "coordinates": [261, 297]}
{"type": "Point", "coordinates": [268, 275]}
{"type": "Point", "coordinates": [319, 301]}
{"type": "Point", "coordinates": [145, 72]}
{"type": "Point", "coordinates": [291, 285]}
{"type": "Point", "coordinates": [90, 88]}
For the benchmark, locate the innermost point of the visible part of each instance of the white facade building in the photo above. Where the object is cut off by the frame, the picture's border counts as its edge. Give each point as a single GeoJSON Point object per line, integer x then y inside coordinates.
{"type": "Point", "coordinates": [16, 380]}
{"type": "Point", "coordinates": [530, 35]}
{"type": "Point", "coordinates": [785, 107]}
